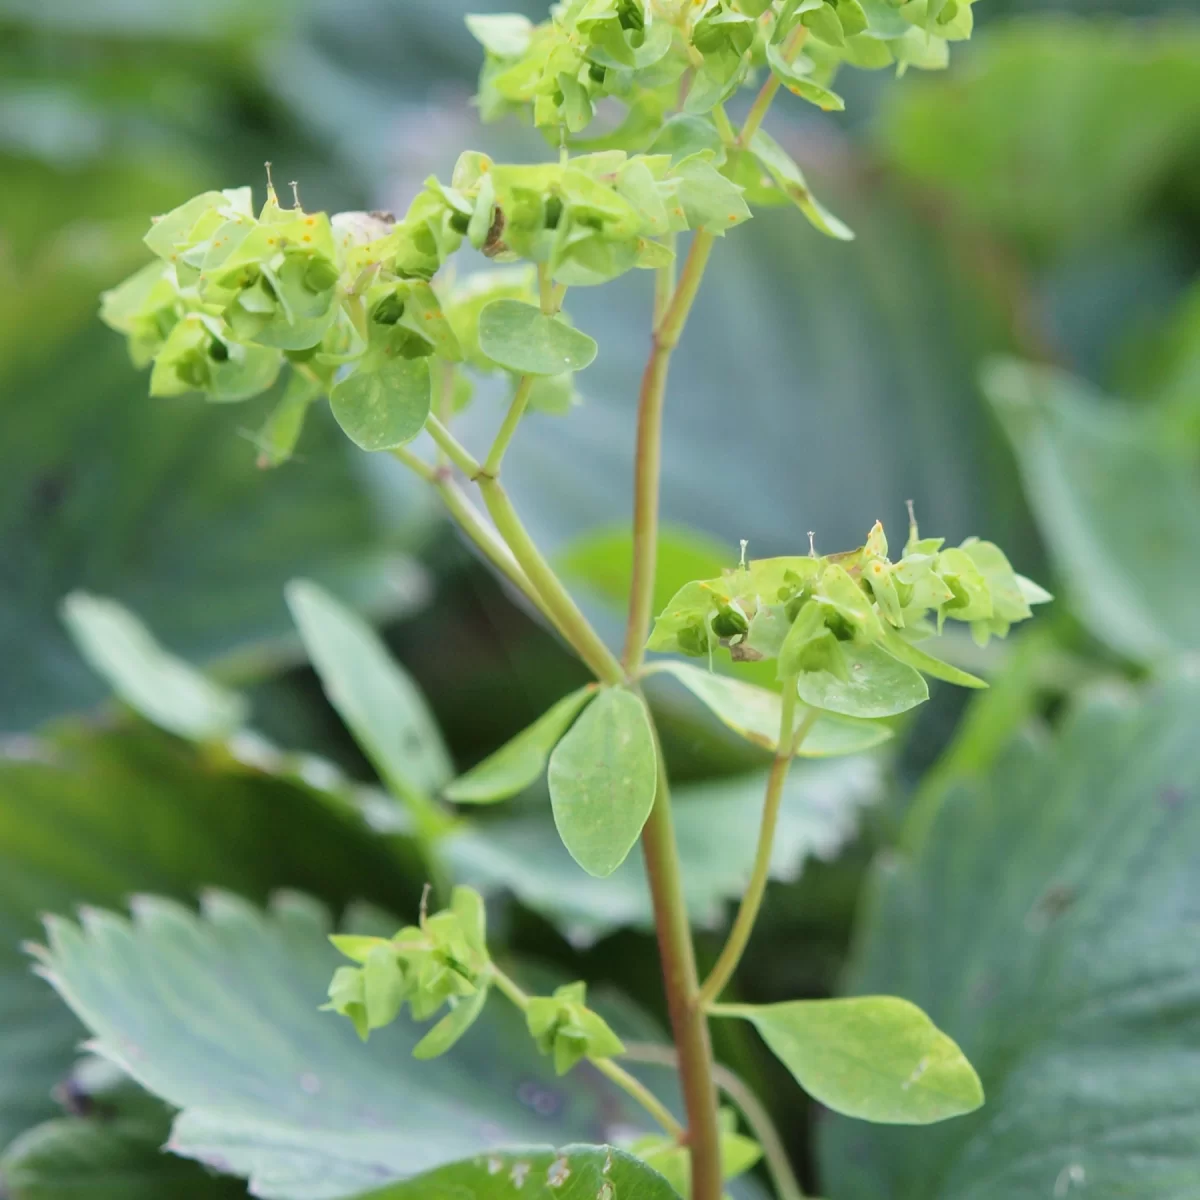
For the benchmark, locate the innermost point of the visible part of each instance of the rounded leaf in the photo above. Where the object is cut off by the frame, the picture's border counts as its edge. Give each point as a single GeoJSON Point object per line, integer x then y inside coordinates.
{"type": "Point", "coordinates": [603, 777]}
{"type": "Point", "coordinates": [877, 685]}
{"type": "Point", "coordinates": [383, 406]}
{"type": "Point", "coordinates": [522, 338]}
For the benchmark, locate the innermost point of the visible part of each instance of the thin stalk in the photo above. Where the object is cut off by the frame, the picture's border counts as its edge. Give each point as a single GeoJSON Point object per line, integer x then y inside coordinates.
{"type": "Point", "coordinates": [743, 925]}
{"type": "Point", "coordinates": [571, 623]}
{"type": "Point", "coordinates": [516, 410]}
{"type": "Point", "coordinates": [664, 283]}
{"type": "Point", "coordinates": [787, 1186]}
{"type": "Point", "coordinates": [471, 521]}
{"type": "Point", "coordinates": [648, 460]}
{"type": "Point", "coordinates": [628, 1083]}
{"type": "Point", "coordinates": [689, 1023]}
{"type": "Point", "coordinates": [457, 453]}
{"type": "Point", "coordinates": [767, 93]}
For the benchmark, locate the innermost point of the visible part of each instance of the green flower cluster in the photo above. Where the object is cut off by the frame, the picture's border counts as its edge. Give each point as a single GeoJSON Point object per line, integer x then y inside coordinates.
{"type": "Point", "coordinates": [563, 1025]}
{"type": "Point", "coordinates": [442, 961]}
{"type": "Point", "coordinates": [838, 614]}
{"type": "Point", "coordinates": [638, 51]}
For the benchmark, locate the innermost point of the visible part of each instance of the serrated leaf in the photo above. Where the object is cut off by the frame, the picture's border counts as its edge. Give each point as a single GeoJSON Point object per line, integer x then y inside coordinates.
{"type": "Point", "coordinates": [164, 689]}
{"type": "Point", "coordinates": [755, 713]}
{"type": "Point", "coordinates": [877, 685]}
{"type": "Point", "coordinates": [1045, 919]}
{"type": "Point", "coordinates": [277, 1093]}
{"type": "Point", "coordinates": [373, 694]}
{"type": "Point", "coordinates": [783, 169]}
{"type": "Point", "coordinates": [519, 762]}
{"type": "Point", "coordinates": [537, 1173]}
{"type": "Point", "coordinates": [522, 338]}
{"type": "Point", "coordinates": [603, 777]}
{"type": "Point", "coordinates": [878, 1058]}
{"type": "Point", "coordinates": [383, 402]}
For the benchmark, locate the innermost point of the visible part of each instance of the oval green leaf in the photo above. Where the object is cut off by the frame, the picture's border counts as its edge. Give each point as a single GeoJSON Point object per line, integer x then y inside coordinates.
{"type": "Point", "coordinates": [522, 338]}
{"type": "Point", "coordinates": [878, 1058]}
{"type": "Point", "coordinates": [373, 694]}
{"type": "Point", "coordinates": [755, 713]}
{"type": "Point", "coordinates": [383, 405]}
{"type": "Point", "coordinates": [878, 685]}
{"type": "Point", "coordinates": [167, 691]}
{"type": "Point", "coordinates": [519, 762]}
{"type": "Point", "coordinates": [603, 776]}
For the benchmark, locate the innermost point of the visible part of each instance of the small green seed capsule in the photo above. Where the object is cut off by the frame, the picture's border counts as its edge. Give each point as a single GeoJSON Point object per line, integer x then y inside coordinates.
{"type": "Point", "coordinates": [389, 310]}
{"type": "Point", "coordinates": [320, 275]}
{"type": "Point", "coordinates": [554, 208]}
{"type": "Point", "coordinates": [729, 622]}
{"type": "Point", "coordinates": [459, 222]}
{"type": "Point", "coordinates": [598, 72]}
{"type": "Point", "coordinates": [217, 350]}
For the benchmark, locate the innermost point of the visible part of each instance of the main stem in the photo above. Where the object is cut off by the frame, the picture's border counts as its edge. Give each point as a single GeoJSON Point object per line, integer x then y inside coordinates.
{"type": "Point", "coordinates": [648, 460]}
{"type": "Point", "coordinates": [688, 1020]}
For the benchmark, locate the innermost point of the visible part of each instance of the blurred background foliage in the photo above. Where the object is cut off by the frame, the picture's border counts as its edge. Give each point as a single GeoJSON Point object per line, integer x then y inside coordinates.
{"type": "Point", "coordinates": [1040, 201]}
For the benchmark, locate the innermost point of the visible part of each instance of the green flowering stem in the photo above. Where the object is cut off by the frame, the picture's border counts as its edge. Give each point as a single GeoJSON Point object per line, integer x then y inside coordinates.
{"type": "Point", "coordinates": [563, 610]}
{"type": "Point", "coordinates": [516, 410]}
{"type": "Point", "coordinates": [454, 450]}
{"type": "Point", "coordinates": [743, 925]}
{"type": "Point", "coordinates": [689, 1023]}
{"type": "Point", "coordinates": [628, 1083]}
{"type": "Point", "coordinates": [787, 1186]}
{"type": "Point", "coordinates": [762, 102]}
{"type": "Point", "coordinates": [648, 462]}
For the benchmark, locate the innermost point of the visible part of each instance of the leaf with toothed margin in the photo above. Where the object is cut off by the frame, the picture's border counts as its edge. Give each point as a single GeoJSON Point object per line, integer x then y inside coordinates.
{"type": "Point", "coordinates": [89, 817]}
{"type": "Point", "coordinates": [536, 1173]}
{"type": "Point", "coordinates": [217, 1014]}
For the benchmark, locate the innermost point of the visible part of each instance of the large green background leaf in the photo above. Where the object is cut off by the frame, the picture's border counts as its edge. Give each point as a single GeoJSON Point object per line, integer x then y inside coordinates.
{"type": "Point", "coordinates": [91, 818]}
{"type": "Point", "coordinates": [218, 1014]}
{"type": "Point", "coordinates": [1048, 925]}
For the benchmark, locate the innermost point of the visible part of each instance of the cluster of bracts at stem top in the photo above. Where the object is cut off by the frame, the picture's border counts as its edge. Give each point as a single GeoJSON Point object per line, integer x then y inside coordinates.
{"type": "Point", "coordinates": [351, 302]}
{"type": "Point", "coordinates": [444, 962]}
{"type": "Point", "coordinates": [852, 617]}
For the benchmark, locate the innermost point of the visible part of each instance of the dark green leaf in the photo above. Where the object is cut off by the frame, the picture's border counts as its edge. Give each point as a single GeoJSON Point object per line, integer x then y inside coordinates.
{"type": "Point", "coordinates": [572, 1173]}
{"type": "Point", "coordinates": [373, 694]}
{"type": "Point", "coordinates": [1046, 921]}
{"type": "Point", "coordinates": [274, 1090]}
{"type": "Point", "coordinates": [603, 776]}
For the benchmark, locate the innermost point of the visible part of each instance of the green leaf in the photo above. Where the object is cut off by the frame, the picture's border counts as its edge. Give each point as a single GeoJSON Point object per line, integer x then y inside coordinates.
{"type": "Point", "coordinates": [277, 439]}
{"type": "Point", "coordinates": [796, 81]}
{"type": "Point", "coordinates": [383, 402]}
{"type": "Point", "coordinates": [913, 656]}
{"type": "Point", "coordinates": [818, 816]}
{"type": "Point", "coordinates": [276, 1092]}
{"type": "Point", "coordinates": [572, 1173]}
{"type": "Point", "coordinates": [673, 1162]}
{"type": "Point", "coordinates": [1114, 501]}
{"type": "Point", "coordinates": [602, 561]}
{"type": "Point", "coordinates": [878, 1058]}
{"type": "Point", "coordinates": [603, 776]}
{"type": "Point", "coordinates": [505, 35]}
{"type": "Point", "coordinates": [88, 819]}
{"type": "Point", "coordinates": [464, 1012]}
{"type": "Point", "coordinates": [877, 685]}
{"type": "Point", "coordinates": [1046, 921]}
{"type": "Point", "coordinates": [374, 695]}
{"type": "Point", "coordinates": [522, 338]}
{"type": "Point", "coordinates": [755, 713]}
{"type": "Point", "coordinates": [709, 200]}
{"type": "Point", "coordinates": [684, 135]}
{"type": "Point", "coordinates": [164, 689]}
{"type": "Point", "coordinates": [783, 169]}
{"type": "Point", "coordinates": [520, 762]}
